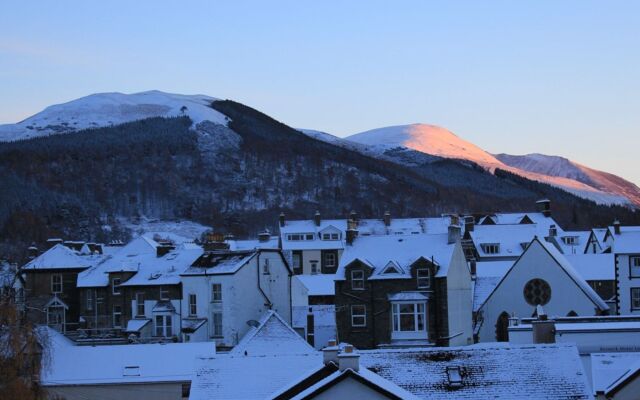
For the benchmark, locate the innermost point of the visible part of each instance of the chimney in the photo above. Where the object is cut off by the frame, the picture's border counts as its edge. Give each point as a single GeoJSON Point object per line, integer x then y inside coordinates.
{"type": "Point", "coordinates": [473, 268]}
{"type": "Point", "coordinates": [352, 231]}
{"type": "Point", "coordinates": [317, 218]}
{"type": "Point", "coordinates": [454, 233]}
{"type": "Point", "coordinates": [32, 251]}
{"type": "Point", "coordinates": [348, 359]}
{"type": "Point", "coordinates": [544, 206]}
{"type": "Point", "coordinates": [264, 236]}
{"type": "Point", "coordinates": [53, 242]}
{"type": "Point", "coordinates": [469, 223]}
{"type": "Point", "coordinates": [163, 249]}
{"type": "Point", "coordinates": [387, 218]}
{"type": "Point", "coordinates": [553, 231]}
{"type": "Point", "coordinates": [616, 227]}
{"type": "Point", "coordinates": [330, 353]}
{"type": "Point", "coordinates": [281, 219]}
{"type": "Point", "coordinates": [353, 216]}
{"type": "Point", "coordinates": [543, 328]}
{"type": "Point", "coordinates": [215, 241]}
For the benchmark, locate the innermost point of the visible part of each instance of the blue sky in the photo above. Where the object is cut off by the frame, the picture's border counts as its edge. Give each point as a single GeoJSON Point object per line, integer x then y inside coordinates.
{"type": "Point", "coordinates": [511, 76]}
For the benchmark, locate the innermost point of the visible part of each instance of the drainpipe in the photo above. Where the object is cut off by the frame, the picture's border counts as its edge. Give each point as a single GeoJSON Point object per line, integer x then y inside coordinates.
{"type": "Point", "coordinates": [268, 303]}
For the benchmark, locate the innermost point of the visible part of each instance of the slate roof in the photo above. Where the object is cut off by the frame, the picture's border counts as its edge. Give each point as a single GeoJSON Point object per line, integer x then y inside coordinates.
{"type": "Point", "coordinates": [511, 238]}
{"type": "Point", "coordinates": [273, 336]}
{"type": "Point", "coordinates": [62, 257]}
{"type": "Point", "coordinates": [219, 262]}
{"type": "Point", "coordinates": [403, 250]}
{"type": "Point", "coordinates": [488, 371]}
{"type": "Point", "coordinates": [627, 242]}
{"type": "Point", "coordinates": [608, 368]}
{"type": "Point", "coordinates": [482, 288]}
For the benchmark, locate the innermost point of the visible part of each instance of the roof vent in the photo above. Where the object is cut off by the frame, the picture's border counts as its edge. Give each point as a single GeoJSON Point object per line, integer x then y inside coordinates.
{"type": "Point", "coordinates": [454, 377]}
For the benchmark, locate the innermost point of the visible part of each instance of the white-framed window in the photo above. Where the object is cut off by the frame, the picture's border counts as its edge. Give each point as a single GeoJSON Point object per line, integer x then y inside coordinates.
{"type": "Point", "coordinates": [90, 299]}
{"type": "Point", "coordinates": [56, 283]}
{"type": "Point", "coordinates": [115, 286]}
{"type": "Point", "coordinates": [423, 278]}
{"type": "Point", "coordinates": [164, 293]}
{"type": "Point", "coordinates": [314, 267]}
{"type": "Point", "coordinates": [216, 293]}
{"type": "Point", "coordinates": [635, 298]}
{"type": "Point", "coordinates": [140, 304]}
{"type": "Point", "coordinates": [216, 324]}
{"type": "Point", "coordinates": [296, 237]}
{"type": "Point", "coordinates": [490, 248]}
{"type": "Point", "coordinates": [634, 266]}
{"type": "Point", "coordinates": [296, 259]}
{"type": "Point", "coordinates": [358, 315]}
{"type": "Point", "coordinates": [357, 279]}
{"type": "Point", "coordinates": [193, 306]}
{"type": "Point", "coordinates": [163, 325]}
{"type": "Point", "coordinates": [570, 240]}
{"type": "Point", "coordinates": [330, 260]}
{"type": "Point", "coordinates": [409, 317]}
{"type": "Point", "coordinates": [117, 316]}
{"type": "Point", "coordinates": [330, 236]}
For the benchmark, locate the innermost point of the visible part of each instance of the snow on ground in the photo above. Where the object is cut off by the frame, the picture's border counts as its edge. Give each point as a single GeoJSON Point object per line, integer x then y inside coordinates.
{"type": "Point", "coordinates": [182, 230]}
{"type": "Point", "coordinates": [106, 109]}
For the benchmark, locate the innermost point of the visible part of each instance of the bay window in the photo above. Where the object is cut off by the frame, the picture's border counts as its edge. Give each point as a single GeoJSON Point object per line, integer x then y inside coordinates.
{"type": "Point", "coordinates": [163, 325]}
{"type": "Point", "coordinates": [409, 320]}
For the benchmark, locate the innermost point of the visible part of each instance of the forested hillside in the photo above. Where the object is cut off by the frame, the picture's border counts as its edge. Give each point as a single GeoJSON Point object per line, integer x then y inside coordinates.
{"type": "Point", "coordinates": [237, 179]}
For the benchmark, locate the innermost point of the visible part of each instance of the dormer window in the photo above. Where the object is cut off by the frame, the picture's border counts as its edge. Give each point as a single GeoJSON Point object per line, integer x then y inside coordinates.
{"type": "Point", "coordinates": [115, 286]}
{"type": "Point", "coordinates": [570, 240]}
{"type": "Point", "coordinates": [391, 268]}
{"type": "Point", "coordinates": [357, 279]}
{"type": "Point", "coordinates": [423, 278]}
{"type": "Point", "coordinates": [490, 248]}
{"type": "Point", "coordinates": [330, 236]}
{"type": "Point", "coordinates": [296, 237]}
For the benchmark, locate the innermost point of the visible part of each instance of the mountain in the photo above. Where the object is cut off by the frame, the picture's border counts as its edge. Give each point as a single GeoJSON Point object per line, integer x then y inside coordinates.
{"type": "Point", "coordinates": [601, 187]}
{"type": "Point", "coordinates": [223, 164]}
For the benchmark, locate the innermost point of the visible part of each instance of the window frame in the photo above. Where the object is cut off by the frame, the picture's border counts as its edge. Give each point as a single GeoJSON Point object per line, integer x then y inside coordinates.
{"type": "Point", "coordinates": [334, 258]}
{"type": "Point", "coordinates": [362, 315]}
{"type": "Point", "coordinates": [419, 278]}
{"type": "Point", "coordinates": [139, 296]}
{"type": "Point", "coordinates": [165, 328]}
{"type": "Point", "coordinates": [354, 280]}
{"type": "Point", "coordinates": [113, 316]}
{"type": "Point", "coordinates": [419, 310]}
{"type": "Point", "coordinates": [214, 298]}
{"type": "Point", "coordinates": [193, 305]}
{"type": "Point", "coordinates": [163, 292]}
{"type": "Point", "coordinates": [216, 324]}
{"type": "Point", "coordinates": [634, 270]}
{"type": "Point", "coordinates": [490, 246]}
{"type": "Point", "coordinates": [54, 284]}
{"type": "Point", "coordinates": [90, 299]}
{"type": "Point", "coordinates": [631, 292]}
{"type": "Point", "coordinates": [115, 287]}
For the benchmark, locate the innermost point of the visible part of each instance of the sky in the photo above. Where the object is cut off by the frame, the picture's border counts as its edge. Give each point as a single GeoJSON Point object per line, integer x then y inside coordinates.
{"type": "Point", "coordinates": [517, 77]}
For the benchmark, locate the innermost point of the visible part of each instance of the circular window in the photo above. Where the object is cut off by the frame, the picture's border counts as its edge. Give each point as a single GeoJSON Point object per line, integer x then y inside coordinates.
{"type": "Point", "coordinates": [537, 291]}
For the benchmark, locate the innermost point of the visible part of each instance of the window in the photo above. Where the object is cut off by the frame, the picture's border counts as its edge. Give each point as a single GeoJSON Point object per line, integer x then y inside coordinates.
{"type": "Point", "coordinates": [490, 248]}
{"type": "Point", "coordinates": [131, 371]}
{"type": "Point", "coordinates": [330, 260]}
{"type": "Point", "coordinates": [294, 237]}
{"type": "Point", "coordinates": [537, 292]}
{"type": "Point", "coordinates": [115, 286]}
{"type": "Point", "coordinates": [570, 240]}
{"type": "Point", "coordinates": [358, 316]}
{"type": "Point", "coordinates": [423, 277]}
{"type": "Point", "coordinates": [139, 304]}
{"type": "Point", "coordinates": [635, 298]}
{"type": "Point", "coordinates": [163, 325]}
{"type": "Point", "coordinates": [409, 317]}
{"type": "Point", "coordinates": [216, 323]}
{"type": "Point", "coordinates": [357, 279]}
{"type": "Point", "coordinates": [193, 307]}
{"type": "Point", "coordinates": [90, 295]}
{"type": "Point", "coordinates": [330, 236]}
{"type": "Point", "coordinates": [117, 316]}
{"type": "Point", "coordinates": [56, 283]}
{"type": "Point", "coordinates": [216, 293]}
{"type": "Point", "coordinates": [265, 267]}
{"type": "Point", "coordinates": [634, 266]}
{"type": "Point", "coordinates": [164, 293]}
{"type": "Point", "coordinates": [297, 262]}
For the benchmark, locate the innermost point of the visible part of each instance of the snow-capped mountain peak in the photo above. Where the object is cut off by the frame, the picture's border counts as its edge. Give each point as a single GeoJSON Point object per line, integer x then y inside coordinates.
{"type": "Point", "coordinates": [105, 109]}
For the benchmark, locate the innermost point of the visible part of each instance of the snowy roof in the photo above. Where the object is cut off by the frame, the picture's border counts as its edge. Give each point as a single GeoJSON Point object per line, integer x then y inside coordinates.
{"type": "Point", "coordinates": [236, 377]}
{"type": "Point", "coordinates": [134, 325]}
{"type": "Point", "coordinates": [219, 262]}
{"type": "Point", "coordinates": [632, 326]}
{"type": "Point", "coordinates": [517, 218]}
{"type": "Point", "coordinates": [319, 284]}
{"type": "Point", "coordinates": [628, 376]}
{"type": "Point", "coordinates": [482, 288]}
{"type": "Point", "coordinates": [493, 268]}
{"type": "Point", "coordinates": [511, 238]}
{"type": "Point", "coordinates": [62, 257]}
{"type": "Point", "coordinates": [369, 377]}
{"type": "Point", "coordinates": [488, 371]}
{"type": "Point", "coordinates": [273, 336]}
{"type": "Point", "coordinates": [378, 251]}
{"type": "Point", "coordinates": [627, 242]}
{"type": "Point", "coordinates": [608, 368]}
{"type": "Point", "coordinates": [134, 363]}
{"type": "Point", "coordinates": [164, 270]}
{"type": "Point", "coordinates": [572, 242]}
{"type": "Point", "coordinates": [593, 267]}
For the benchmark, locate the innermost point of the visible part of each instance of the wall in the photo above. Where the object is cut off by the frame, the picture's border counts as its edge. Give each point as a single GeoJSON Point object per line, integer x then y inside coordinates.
{"type": "Point", "coordinates": [624, 285]}
{"type": "Point", "coordinates": [459, 300]}
{"type": "Point", "coordinates": [147, 391]}
{"type": "Point", "coordinates": [350, 389]}
{"type": "Point", "coordinates": [38, 293]}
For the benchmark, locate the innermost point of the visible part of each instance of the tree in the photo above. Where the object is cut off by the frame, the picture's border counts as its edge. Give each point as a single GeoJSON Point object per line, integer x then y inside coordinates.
{"type": "Point", "coordinates": [22, 348]}
{"type": "Point", "coordinates": [183, 110]}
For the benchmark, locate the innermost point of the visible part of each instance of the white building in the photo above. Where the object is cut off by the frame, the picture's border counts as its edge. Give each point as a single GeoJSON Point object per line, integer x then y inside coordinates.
{"type": "Point", "coordinates": [541, 276]}
{"type": "Point", "coordinates": [626, 248]}
{"type": "Point", "coordinates": [224, 292]}
{"type": "Point", "coordinates": [313, 308]}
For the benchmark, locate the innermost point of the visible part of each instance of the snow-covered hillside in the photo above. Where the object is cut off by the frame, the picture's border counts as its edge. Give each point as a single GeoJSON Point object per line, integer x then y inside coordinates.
{"type": "Point", "coordinates": [105, 109]}
{"type": "Point", "coordinates": [600, 187]}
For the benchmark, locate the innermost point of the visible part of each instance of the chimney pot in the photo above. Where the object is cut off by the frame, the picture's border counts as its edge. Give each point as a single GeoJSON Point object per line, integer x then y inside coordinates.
{"type": "Point", "coordinates": [281, 219]}
{"type": "Point", "coordinates": [348, 359]}
{"type": "Point", "coordinates": [317, 218]}
{"type": "Point", "coordinates": [544, 206]}
{"type": "Point", "coordinates": [616, 227]}
{"type": "Point", "coordinates": [330, 353]}
{"type": "Point", "coordinates": [387, 218]}
{"type": "Point", "coordinates": [454, 233]}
